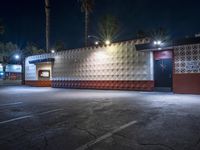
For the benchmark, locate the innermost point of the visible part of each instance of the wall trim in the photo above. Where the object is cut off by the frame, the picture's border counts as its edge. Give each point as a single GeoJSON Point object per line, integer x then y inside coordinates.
{"type": "Point", "coordinates": [147, 85]}
{"type": "Point", "coordinates": [39, 83]}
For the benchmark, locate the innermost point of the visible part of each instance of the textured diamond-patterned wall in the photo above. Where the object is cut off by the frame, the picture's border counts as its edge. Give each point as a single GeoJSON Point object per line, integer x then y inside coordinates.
{"type": "Point", "coordinates": [118, 62]}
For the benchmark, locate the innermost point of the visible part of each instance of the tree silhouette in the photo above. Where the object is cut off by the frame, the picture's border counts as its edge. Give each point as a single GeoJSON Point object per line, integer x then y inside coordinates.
{"type": "Point", "coordinates": [47, 12]}
{"type": "Point", "coordinates": [108, 28]}
{"type": "Point", "coordinates": [86, 7]}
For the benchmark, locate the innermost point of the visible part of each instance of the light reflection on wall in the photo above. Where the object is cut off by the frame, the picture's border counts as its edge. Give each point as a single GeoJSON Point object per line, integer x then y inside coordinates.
{"type": "Point", "coordinates": [115, 62]}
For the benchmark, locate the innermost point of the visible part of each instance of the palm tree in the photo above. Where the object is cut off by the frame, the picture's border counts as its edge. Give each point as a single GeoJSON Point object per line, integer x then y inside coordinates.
{"type": "Point", "coordinates": [108, 28]}
{"type": "Point", "coordinates": [6, 52]}
{"type": "Point", "coordinates": [47, 11]}
{"type": "Point", "coordinates": [159, 34]}
{"type": "Point", "coordinates": [141, 34]}
{"type": "Point", "coordinates": [86, 7]}
{"type": "Point", "coordinates": [32, 49]}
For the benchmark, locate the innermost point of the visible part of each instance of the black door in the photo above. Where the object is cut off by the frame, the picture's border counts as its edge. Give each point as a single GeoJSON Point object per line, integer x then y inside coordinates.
{"type": "Point", "coordinates": [163, 73]}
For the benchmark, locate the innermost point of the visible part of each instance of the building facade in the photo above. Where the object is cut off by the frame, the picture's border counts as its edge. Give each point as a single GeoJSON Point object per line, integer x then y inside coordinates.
{"type": "Point", "coordinates": [11, 72]}
{"type": "Point", "coordinates": [129, 65]}
{"type": "Point", "coordinates": [186, 78]}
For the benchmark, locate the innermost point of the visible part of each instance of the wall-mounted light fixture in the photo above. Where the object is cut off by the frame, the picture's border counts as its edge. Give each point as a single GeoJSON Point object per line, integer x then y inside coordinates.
{"type": "Point", "coordinates": [53, 51]}
{"type": "Point", "coordinates": [107, 42]}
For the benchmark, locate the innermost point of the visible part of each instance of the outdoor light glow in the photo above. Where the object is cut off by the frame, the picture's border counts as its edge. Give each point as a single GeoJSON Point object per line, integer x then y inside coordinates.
{"type": "Point", "coordinates": [100, 55]}
{"type": "Point", "coordinates": [1, 73]}
{"type": "Point", "coordinates": [107, 42]}
{"type": "Point", "coordinates": [17, 56]}
{"type": "Point", "coordinates": [157, 42]}
{"type": "Point", "coordinates": [96, 43]}
{"type": "Point", "coordinates": [52, 51]}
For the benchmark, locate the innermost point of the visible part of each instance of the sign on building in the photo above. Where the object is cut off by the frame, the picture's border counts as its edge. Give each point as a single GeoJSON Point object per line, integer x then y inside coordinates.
{"type": "Point", "coordinates": [14, 68]}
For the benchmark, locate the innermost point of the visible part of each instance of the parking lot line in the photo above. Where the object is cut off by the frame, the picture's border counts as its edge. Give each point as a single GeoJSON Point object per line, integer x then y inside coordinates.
{"type": "Point", "coordinates": [105, 136]}
{"type": "Point", "coordinates": [10, 104]}
{"type": "Point", "coordinates": [30, 116]}
{"type": "Point", "coordinates": [50, 111]}
{"type": "Point", "coordinates": [15, 119]}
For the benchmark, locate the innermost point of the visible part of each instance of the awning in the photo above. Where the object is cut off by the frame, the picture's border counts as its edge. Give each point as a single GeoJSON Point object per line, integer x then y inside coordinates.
{"type": "Point", "coordinates": [167, 45]}
{"type": "Point", "coordinates": [152, 47]}
{"type": "Point", "coordinates": [41, 60]}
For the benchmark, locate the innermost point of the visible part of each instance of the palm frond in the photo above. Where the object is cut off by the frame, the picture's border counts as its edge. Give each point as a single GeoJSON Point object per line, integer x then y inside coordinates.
{"type": "Point", "coordinates": [108, 28]}
{"type": "Point", "coordinates": [86, 5]}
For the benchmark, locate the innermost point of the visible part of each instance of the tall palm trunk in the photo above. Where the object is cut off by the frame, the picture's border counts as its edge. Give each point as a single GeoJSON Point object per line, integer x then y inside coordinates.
{"type": "Point", "coordinates": [1, 28]}
{"type": "Point", "coordinates": [47, 11]}
{"type": "Point", "coordinates": [86, 27]}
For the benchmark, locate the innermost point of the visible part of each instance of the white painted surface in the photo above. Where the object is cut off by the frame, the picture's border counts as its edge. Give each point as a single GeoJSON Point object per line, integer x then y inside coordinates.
{"type": "Point", "coordinates": [10, 104]}
{"type": "Point", "coordinates": [29, 116]}
{"type": "Point", "coordinates": [15, 119]}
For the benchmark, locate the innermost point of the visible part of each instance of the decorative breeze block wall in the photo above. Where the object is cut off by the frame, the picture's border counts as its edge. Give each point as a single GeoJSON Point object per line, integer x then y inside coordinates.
{"type": "Point", "coordinates": [187, 59]}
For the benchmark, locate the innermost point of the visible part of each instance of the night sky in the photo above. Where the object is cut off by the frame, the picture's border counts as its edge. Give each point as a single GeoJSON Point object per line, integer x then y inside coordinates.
{"type": "Point", "coordinates": [25, 19]}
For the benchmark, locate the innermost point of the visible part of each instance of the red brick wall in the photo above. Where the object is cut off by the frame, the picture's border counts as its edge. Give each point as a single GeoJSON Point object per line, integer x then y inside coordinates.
{"type": "Point", "coordinates": [40, 83]}
{"type": "Point", "coordinates": [106, 84]}
{"type": "Point", "coordinates": [186, 83]}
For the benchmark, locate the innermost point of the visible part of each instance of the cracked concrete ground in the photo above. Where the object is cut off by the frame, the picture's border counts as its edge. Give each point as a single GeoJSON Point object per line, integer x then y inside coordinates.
{"type": "Point", "coordinates": [64, 119]}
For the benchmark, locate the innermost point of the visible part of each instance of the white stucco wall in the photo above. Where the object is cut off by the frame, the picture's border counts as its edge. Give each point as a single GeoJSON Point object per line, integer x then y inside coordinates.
{"type": "Point", "coordinates": [31, 70]}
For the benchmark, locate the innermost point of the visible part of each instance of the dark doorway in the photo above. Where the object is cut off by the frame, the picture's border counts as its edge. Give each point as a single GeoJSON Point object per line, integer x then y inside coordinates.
{"type": "Point", "coordinates": [163, 70]}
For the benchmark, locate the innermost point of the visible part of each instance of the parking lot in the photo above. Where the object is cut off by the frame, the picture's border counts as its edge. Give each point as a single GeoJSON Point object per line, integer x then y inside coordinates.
{"type": "Point", "coordinates": [70, 119]}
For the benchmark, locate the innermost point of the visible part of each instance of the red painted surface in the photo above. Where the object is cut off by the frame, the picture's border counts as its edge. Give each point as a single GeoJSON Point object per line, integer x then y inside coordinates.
{"type": "Point", "coordinates": [106, 84]}
{"type": "Point", "coordinates": [186, 83]}
{"type": "Point", "coordinates": [167, 54]}
{"type": "Point", "coordinates": [44, 83]}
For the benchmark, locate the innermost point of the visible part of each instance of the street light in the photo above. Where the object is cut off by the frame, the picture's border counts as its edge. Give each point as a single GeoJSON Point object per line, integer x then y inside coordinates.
{"type": "Point", "coordinates": [93, 36]}
{"type": "Point", "coordinates": [17, 57]}
{"type": "Point", "coordinates": [21, 59]}
{"type": "Point", "coordinates": [97, 39]}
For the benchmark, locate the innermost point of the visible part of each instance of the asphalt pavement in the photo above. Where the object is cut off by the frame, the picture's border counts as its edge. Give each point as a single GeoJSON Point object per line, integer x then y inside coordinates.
{"type": "Point", "coordinates": [72, 119]}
